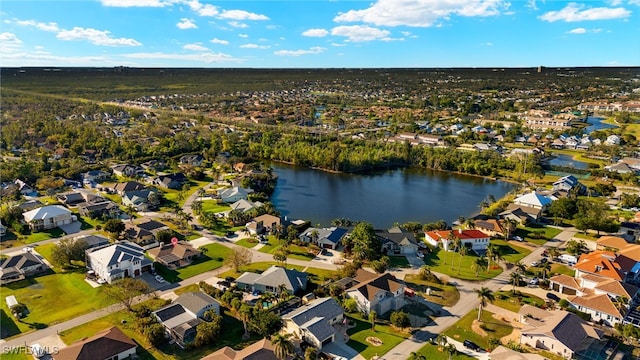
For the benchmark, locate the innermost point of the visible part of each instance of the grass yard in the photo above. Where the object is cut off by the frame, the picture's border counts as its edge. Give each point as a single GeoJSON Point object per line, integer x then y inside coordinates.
{"type": "Point", "coordinates": [212, 259]}
{"type": "Point", "coordinates": [445, 295]}
{"type": "Point", "coordinates": [21, 355]}
{"type": "Point", "coordinates": [513, 302]}
{"type": "Point", "coordinates": [247, 242]}
{"type": "Point", "coordinates": [555, 270]}
{"type": "Point", "coordinates": [633, 129]}
{"type": "Point", "coordinates": [358, 337]}
{"type": "Point", "coordinates": [435, 352]}
{"type": "Point", "coordinates": [441, 261]}
{"type": "Point", "coordinates": [186, 289]}
{"type": "Point", "coordinates": [512, 253]}
{"type": "Point", "coordinates": [295, 251]}
{"type": "Point", "coordinates": [46, 250]}
{"type": "Point", "coordinates": [53, 298]}
{"type": "Point", "coordinates": [398, 262]}
{"type": "Point", "coordinates": [212, 206]}
{"type": "Point", "coordinates": [587, 236]}
{"type": "Point", "coordinates": [41, 236]}
{"type": "Point", "coordinates": [462, 330]}
{"type": "Point", "coordinates": [537, 234]}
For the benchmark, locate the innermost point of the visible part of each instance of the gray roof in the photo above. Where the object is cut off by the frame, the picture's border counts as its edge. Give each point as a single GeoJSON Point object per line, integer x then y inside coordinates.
{"type": "Point", "coordinates": [94, 240]}
{"type": "Point", "coordinates": [275, 276]}
{"type": "Point", "coordinates": [320, 328]}
{"type": "Point", "coordinates": [116, 253]}
{"type": "Point", "coordinates": [20, 261]}
{"type": "Point", "coordinates": [324, 308]}
{"type": "Point", "coordinates": [194, 301]}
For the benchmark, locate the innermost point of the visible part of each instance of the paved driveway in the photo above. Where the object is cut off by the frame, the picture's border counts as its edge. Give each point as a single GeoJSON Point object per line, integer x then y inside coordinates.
{"type": "Point", "coordinates": [414, 261]}
{"type": "Point", "coordinates": [341, 350]}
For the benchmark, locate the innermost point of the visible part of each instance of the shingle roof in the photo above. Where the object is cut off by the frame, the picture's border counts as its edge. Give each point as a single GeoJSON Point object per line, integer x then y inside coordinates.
{"type": "Point", "coordinates": [117, 253]}
{"type": "Point", "coordinates": [103, 345]}
{"type": "Point", "coordinates": [291, 278]}
{"type": "Point", "coordinates": [565, 327]}
{"type": "Point", "coordinates": [323, 307]}
{"type": "Point", "coordinates": [601, 303]}
{"type": "Point", "coordinates": [369, 288]}
{"type": "Point", "coordinates": [260, 350]}
{"type": "Point", "coordinates": [45, 212]}
{"type": "Point", "coordinates": [533, 198]}
{"type": "Point", "coordinates": [194, 301]}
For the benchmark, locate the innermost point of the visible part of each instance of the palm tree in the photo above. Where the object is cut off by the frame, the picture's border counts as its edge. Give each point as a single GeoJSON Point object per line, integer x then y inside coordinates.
{"type": "Point", "coordinates": [442, 340]}
{"type": "Point", "coordinates": [509, 226]}
{"type": "Point", "coordinates": [314, 236]}
{"type": "Point", "coordinates": [130, 210]}
{"type": "Point", "coordinates": [515, 280]}
{"type": "Point", "coordinates": [283, 292]}
{"type": "Point", "coordinates": [372, 319]}
{"type": "Point", "coordinates": [546, 267]}
{"type": "Point", "coordinates": [520, 267]}
{"type": "Point", "coordinates": [456, 247]}
{"type": "Point", "coordinates": [451, 244]}
{"type": "Point", "coordinates": [553, 252]}
{"type": "Point", "coordinates": [245, 315]}
{"type": "Point", "coordinates": [416, 356]}
{"type": "Point", "coordinates": [492, 251]}
{"type": "Point", "coordinates": [485, 295]}
{"type": "Point", "coordinates": [311, 353]}
{"type": "Point", "coordinates": [425, 272]}
{"type": "Point", "coordinates": [621, 303]}
{"type": "Point", "coordinates": [451, 350]}
{"type": "Point", "coordinates": [282, 345]}
{"type": "Point", "coordinates": [462, 252]}
{"type": "Point", "coordinates": [196, 206]}
{"type": "Point", "coordinates": [479, 264]}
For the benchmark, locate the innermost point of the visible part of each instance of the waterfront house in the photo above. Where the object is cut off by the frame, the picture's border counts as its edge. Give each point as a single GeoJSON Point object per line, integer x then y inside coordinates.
{"type": "Point", "coordinates": [326, 238]}
{"type": "Point", "coordinates": [476, 240]}
{"type": "Point", "coordinates": [397, 241]}
{"type": "Point", "coordinates": [234, 194]}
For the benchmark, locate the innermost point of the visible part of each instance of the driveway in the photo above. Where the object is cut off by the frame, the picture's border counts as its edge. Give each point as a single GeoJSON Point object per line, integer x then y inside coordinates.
{"type": "Point", "coordinates": [341, 350]}
{"type": "Point", "coordinates": [414, 261]}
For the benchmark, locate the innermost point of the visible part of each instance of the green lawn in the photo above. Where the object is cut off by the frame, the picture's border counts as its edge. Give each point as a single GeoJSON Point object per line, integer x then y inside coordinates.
{"type": "Point", "coordinates": [512, 253]}
{"type": "Point", "coordinates": [247, 242]}
{"type": "Point", "coordinates": [211, 260]}
{"type": "Point", "coordinates": [358, 337]}
{"type": "Point", "coordinates": [186, 289]}
{"type": "Point", "coordinates": [45, 251]}
{"type": "Point", "coordinates": [53, 298]}
{"type": "Point", "coordinates": [41, 236]}
{"type": "Point", "coordinates": [513, 302]}
{"type": "Point", "coordinates": [441, 261]}
{"type": "Point", "coordinates": [461, 330]}
{"type": "Point", "coordinates": [398, 262]}
{"type": "Point", "coordinates": [295, 251]}
{"type": "Point", "coordinates": [587, 236]}
{"type": "Point", "coordinates": [443, 294]}
{"type": "Point", "coordinates": [435, 352]}
{"type": "Point", "coordinates": [214, 207]}
{"type": "Point", "coordinates": [537, 234]}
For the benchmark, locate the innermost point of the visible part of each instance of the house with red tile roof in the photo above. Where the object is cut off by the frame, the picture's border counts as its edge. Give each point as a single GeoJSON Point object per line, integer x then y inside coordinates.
{"type": "Point", "coordinates": [474, 239]}
{"type": "Point", "coordinates": [601, 263]}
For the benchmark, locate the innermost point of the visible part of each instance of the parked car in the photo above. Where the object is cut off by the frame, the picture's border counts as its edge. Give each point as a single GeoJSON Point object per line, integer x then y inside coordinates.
{"type": "Point", "coordinates": [518, 238]}
{"type": "Point", "coordinates": [471, 345]}
{"type": "Point", "coordinates": [535, 263]}
{"type": "Point", "coordinates": [159, 279]}
{"type": "Point", "coordinates": [552, 296]}
{"type": "Point", "coordinates": [543, 261]}
{"type": "Point", "coordinates": [534, 281]}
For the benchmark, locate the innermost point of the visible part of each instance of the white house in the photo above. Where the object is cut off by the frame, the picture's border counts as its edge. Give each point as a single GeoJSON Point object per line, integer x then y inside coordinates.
{"type": "Point", "coordinates": [234, 194]}
{"type": "Point", "coordinates": [124, 259]}
{"type": "Point", "coordinates": [48, 217]}
{"type": "Point", "coordinates": [381, 293]}
{"type": "Point", "coordinates": [534, 200]}
{"type": "Point", "coordinates": [326, 238]}
{"type": "Point", "coordinates": [474, 239]}
{"type": "Point", "coordinates": [314, 321]}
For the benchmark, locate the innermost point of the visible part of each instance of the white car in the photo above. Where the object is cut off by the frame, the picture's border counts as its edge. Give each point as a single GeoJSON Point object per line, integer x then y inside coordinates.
{"type": "Point", "coordinates": [159, 279]}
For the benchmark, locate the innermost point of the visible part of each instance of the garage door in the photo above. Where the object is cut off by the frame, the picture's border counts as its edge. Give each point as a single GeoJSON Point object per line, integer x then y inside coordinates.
{"type": "Point", "coordinates": [327, 341]}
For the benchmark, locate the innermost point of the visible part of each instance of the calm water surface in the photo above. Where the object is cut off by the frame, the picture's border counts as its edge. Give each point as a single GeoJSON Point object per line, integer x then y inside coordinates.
{"type": "Point", "coordinates": [380, 198]}
{"type": "Point", "coordinates": [567, 160]}
{"type": "Point", "coordinates": [596, 124]}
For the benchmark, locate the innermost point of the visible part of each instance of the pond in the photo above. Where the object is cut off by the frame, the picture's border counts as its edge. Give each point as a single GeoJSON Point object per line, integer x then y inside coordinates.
{"type": "Point", "coordinates": [381, 198]}
{"type": "Point", "coordinates": [567, 161]}
{"type": "Point", "coordinates": [595, 123]}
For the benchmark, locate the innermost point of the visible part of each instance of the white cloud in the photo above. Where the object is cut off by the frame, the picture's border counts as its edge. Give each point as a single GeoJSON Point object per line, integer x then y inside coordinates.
{"type": "Point", "coordinates": [241, 15]}
{"type": "Point", "coordinates": [195, 47]}
{"type": "Point", "coordinates": [531, 4]}
{"type": "Point", "coordinates": [313, 50]}
{"type": "Point", "coordinates": [582, 30]}
{"type": "Point", "coordinates": [634, 2]}
{"type": "Point", "coordinates": [254, 46]}
{"type": "Point", "coordinates": [244, 36]}
{"type": "Point", "coordinates": [359, 33]}
{"type": "Point", "coordinates": [207, 57]}
{"type": "Point", "coordinates": [574, 12]}
{"type": "Point", "coordinates": [237, 24]}
{"type": "Point", "coordinates": [186, 24]}
{"type": "Point", "coordinates": [338, 44]}
{"type": "Point", "coordinates": [203, 10]}
{"type": "Point", "coordinates": [487, 44]}
{"type": "Point", "coordinates": [315, 33]}
{"type": "Point", "coordinates": [615, 2]}
{"type": "Point", "coordinates": [50, 26]}
{"type": "Point", "coordinates": [134, 3]}
{"type": "Point", "coordinates": [96, 37]}
{"type": "Point", "coordinates": [9, 41]}
{"type": "Point", "coordinates": [218, 41]}
{"type": "Point", "coordinates": [421, 13]}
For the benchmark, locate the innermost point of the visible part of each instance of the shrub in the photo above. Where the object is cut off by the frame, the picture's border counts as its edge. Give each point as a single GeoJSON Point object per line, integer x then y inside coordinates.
{"type": "Point", "coordinates": [400, 319]}
{"type": "Point", "coordinates": [154, 333]}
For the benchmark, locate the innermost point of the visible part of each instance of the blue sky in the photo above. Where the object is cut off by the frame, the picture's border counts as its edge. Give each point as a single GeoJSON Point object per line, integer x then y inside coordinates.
{"type": "Point", "coordinates": [301, 33]}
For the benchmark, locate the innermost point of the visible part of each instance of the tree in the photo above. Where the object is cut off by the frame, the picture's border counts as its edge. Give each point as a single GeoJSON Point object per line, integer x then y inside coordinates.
{"type": "Point", "coordinates": [364, 242]}
{"type": "Point", "coordinates": [310, 353]}
{"type": "Point", "coordinates": [451, 350]}
{"type": "Point", "coordinates": [372, 319]}
{"type": "Point", "coordinates": [521, 267]}
{"type": "Point", "coordinates": [462, 252]}
{"type": "Point", "coordinates": [238, 257]}
{"type": "Point", "coordinates": [545, 268]}
{"type": "Point", "coordinates": [67, 251]}
{"type": "Point", "coordinates": [350, 305]}
{"type": "Point", "coordinates": [480, 263]}
{"type": "Point", "coordinates": [265, 323]}
{"type": "Point", "coordinates": [283, 292]}
{"type": "Point", "coordinates": [576, 247]}
{"type": "Point", "coordinates": [457, 245]}
{"type": "Point", "coordinates": [154, 333]}
{"type": "Point", "coordinates": [516, 278]}
{"type": "Point", "coordinates": [130, 210]}
{"type": "Point", "coordinates": [563, 208]}
{"type": "Point", "coordinates": [126, 290]}
{"type": "Point", "coordinates": [115, 227]}
{"type": "Point", "coordinates": [492, 252]}
{"type": "Point", "coordinates": [282, 345]}
{"type": "Point", "coordinates": [245, 314]}
{"type": "Point", "coordinates": [381, 265]}
{"type": "Point", "coordinates": [485, 295]}
{"type": "Point", "coordinates": [400, 319]}
{"type": "Point", "coordinates": [208, 332]}
{"type": "Point", "coordinates": [416, 356]}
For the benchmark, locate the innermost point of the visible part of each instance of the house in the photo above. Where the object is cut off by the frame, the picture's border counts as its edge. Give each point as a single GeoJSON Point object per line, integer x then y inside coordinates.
{"type": "Point", "coordinates": [557, 331]}
{"type": "Point", "coordinates": [124, 259]}
{"type": "Point", "coordinates": [397, 241]}
{"type": "Point", "coordinates": [599, 263]}
{"type": "Point", "coordinates": [521, 214]}
{"type": "Point", "coordinates": [184, 314]}
{"type": "Point", "coordinates": [476, 240]}
{"type": "Point", "coordinates": [245, 205]}
{"type": "Point", "coordinates": [93, 241]}
{"type": "Point", "coordinates": [326, 238]}
{"type": "Point", "coordinates": [313, 322]}
{"type": "Point", "coordinates": [504, 353]}
{"type": "Point", "coordinates": [381, 293]}
{"type": "Point", "coordinates": [600, 307]}
{"type": "Point", "coordinates": [612, 140]}
{"type": "Point", "coordinates": [127, 170]}
{"type": "Point", "coordinates": [111, 344]}
{"type": "Point", "coordinates": [260, 350]}
{"type": "Point", "coordinates": [611, 243]}
{"type": "Point", "coordinates": [491, 227]}
{"type": "Point", "coordinates": [144, 233]}
{"type": "Point", "coordinates": [48, 217]}
{"type": "Point", "coordinates": [172, 181]}
{"type": "Point", "coordinates": [104, 209]}
{"type": "Point", "coordinates": [24, 188]}
{"type": "Point", "coordinates": [263, 223]}
{"type": "Point", "coordinates": [193, 159]}
{"type": "Point", "coordinates": [533, 200]}
{"type": "Point", "coordinates": [76, 198]}
{"type": "Point", "coordinates": [141, 200]}
{"type": "Point", "coordinates": [630, 230]}
{"type": "Point", "coordinates": [272, 278]}
{"type": "Point", "coordinates": [569, 183]}
{"type": "Point", "coordinates": [234, 194]}
{"type": "Point", "coordinates": [122, 188]}
{"type": "Point", "coordinates": [174, 256]}
{"type": "Point", "coordinates": [20, 267]}
{"type": "Point", "coordinates": [621, 168]}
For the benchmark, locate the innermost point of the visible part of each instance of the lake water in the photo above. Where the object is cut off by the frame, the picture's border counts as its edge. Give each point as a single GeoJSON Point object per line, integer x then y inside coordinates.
{"type": "Point", "coordinates": [567, 160]}
{"type": "Point", "coordinates": [380, 198]}
{"type": "Point", "coordinates": [596, 124]}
